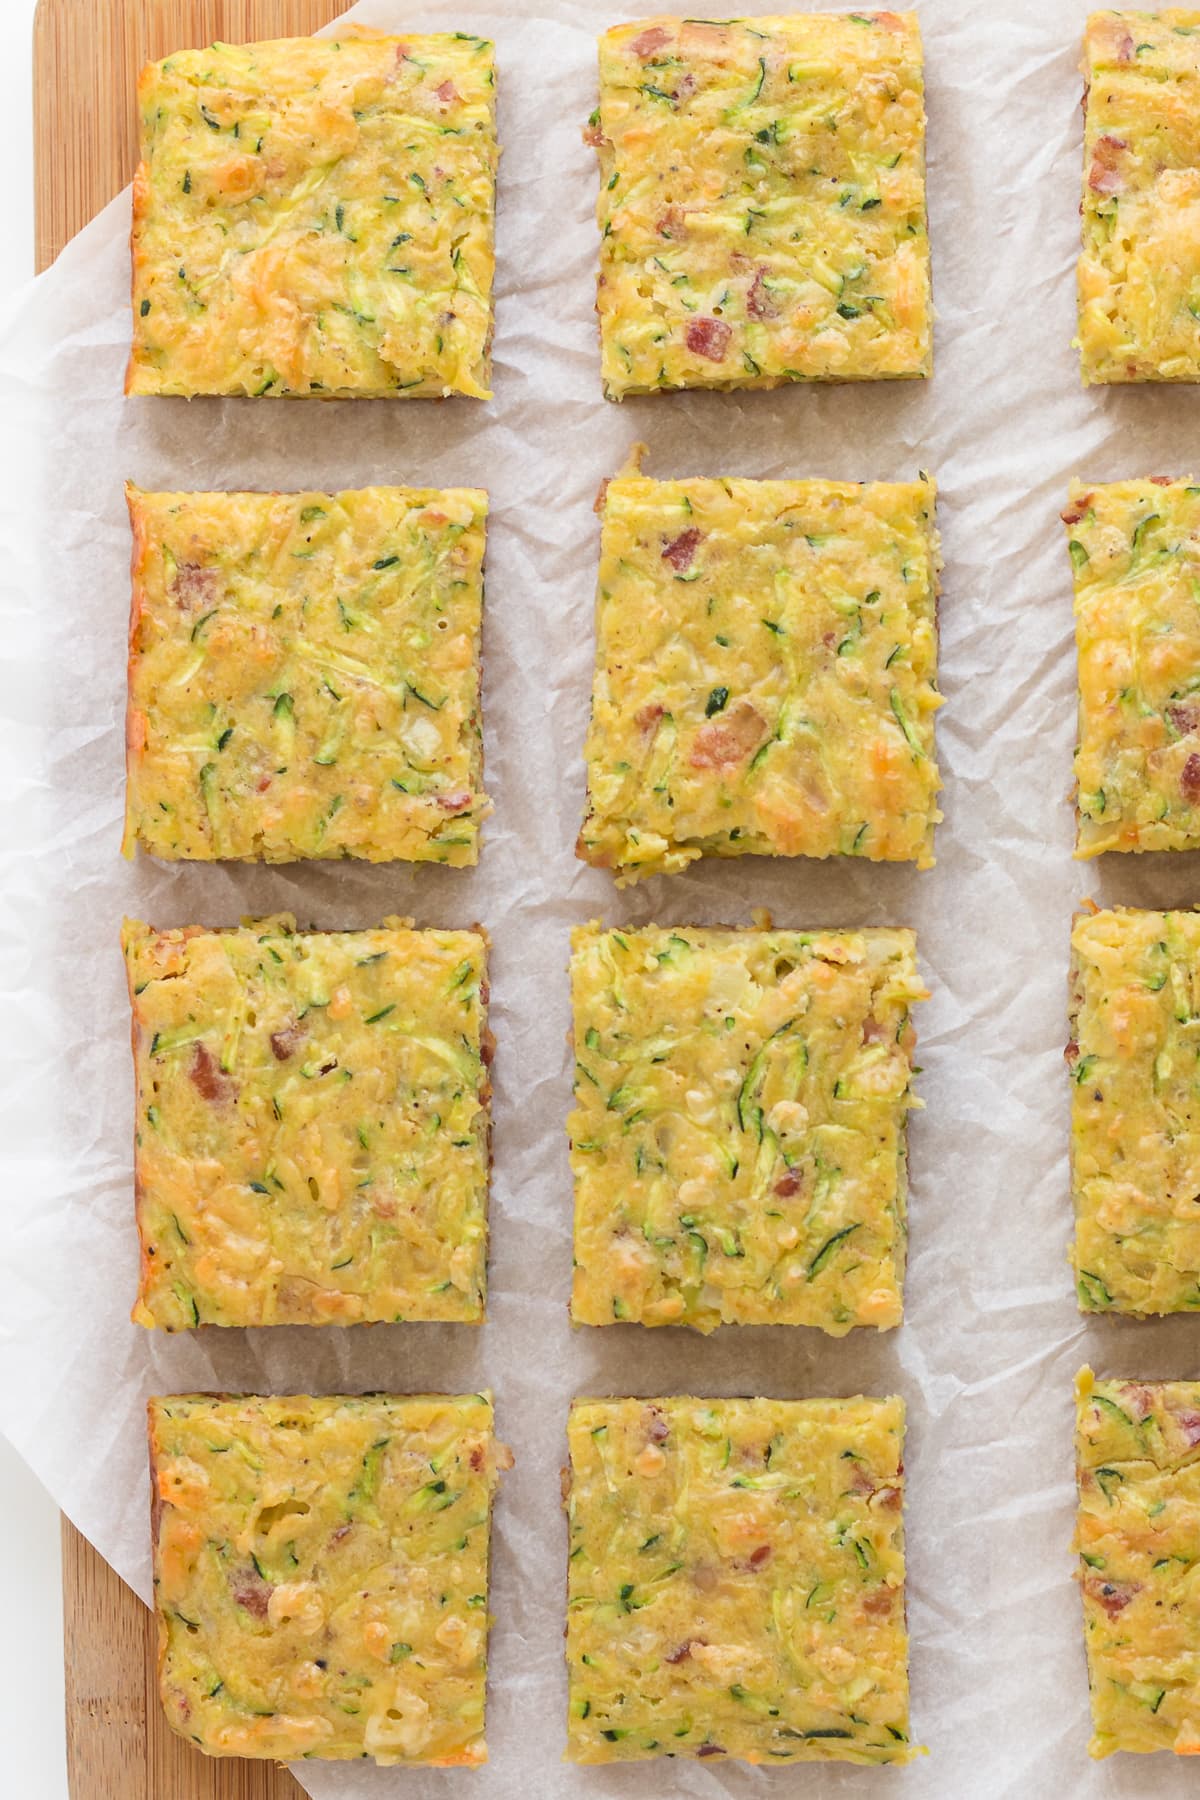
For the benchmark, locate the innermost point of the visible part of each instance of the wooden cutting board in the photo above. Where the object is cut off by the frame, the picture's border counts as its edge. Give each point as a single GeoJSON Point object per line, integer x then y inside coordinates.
{"type": "Point", "coordinates": [86, 57]}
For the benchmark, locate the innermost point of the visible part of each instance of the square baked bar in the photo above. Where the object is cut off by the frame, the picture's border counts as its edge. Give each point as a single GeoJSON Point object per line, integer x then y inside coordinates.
{"type": "Point", "coordinates": [304, 675]}
{"type": "Point", "coordinates": [738, 1139]}
{"type": "Point", "coordinates": [1139, 271]}
{"type": "Point", "coordinates": [766, 667]}
{"type": "Point", "coordinates": [321, 1573]}
{"type": "Point", "coordinates": [1135, 1110]}
{"type": "Point", "coordinates": [736, 1581]}
{"type": "Point", "coordinates": [1134, 547]}
{"type": "Point", "coordinates": [762, 202]}
{"type": "Point", "coordinates": [315, 217]}
{"type": "Point", "coordinates": [312, 1137]}
{"type": "Point", "coordinates": [1137, 1463]}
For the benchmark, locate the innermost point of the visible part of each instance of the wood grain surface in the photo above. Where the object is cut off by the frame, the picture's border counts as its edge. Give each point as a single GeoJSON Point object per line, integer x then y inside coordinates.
{"type": "Point", "coordinates": [86, 58]}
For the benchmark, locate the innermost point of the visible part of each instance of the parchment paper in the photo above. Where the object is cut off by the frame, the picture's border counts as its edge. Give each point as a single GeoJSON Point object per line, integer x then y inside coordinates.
{"type": "Point", "coordinates": [991, 1338]}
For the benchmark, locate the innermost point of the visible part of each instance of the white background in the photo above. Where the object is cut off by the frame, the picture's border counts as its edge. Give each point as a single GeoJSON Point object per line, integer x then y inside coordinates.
{"type": "Point", "coordinates": [31, 1681]}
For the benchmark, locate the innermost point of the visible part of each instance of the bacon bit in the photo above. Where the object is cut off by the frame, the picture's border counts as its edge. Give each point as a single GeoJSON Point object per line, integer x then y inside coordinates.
{"type": "Point", "coordinates": [195, 584]}
{"type": "Point", "coordinates": [476, 1458]}
{"type": "Point", "coordinates": [210, 1079]}
{"type": "Point", "coordinates": [1113, 1596]}
{"type": "Point", "coordinates": [1161, 480]}
{"type": "Point", "coordinates": [454, 803]}
{"type": "Point", "coordinates": [593, 135]}
{"type": "Point", "coordinates": [447, 93]}
{"type": "Point", "coordinates": [343, 1531]}
{"type": "Point", "coordinates": [683, 1651]}
{"type": "Point", "coordinates": [1072, 1053]}
{"type": "Point", "coordinates": [861, 1481]}
{"type": "Point", "coordinates": [1139, 1397]}
{"type": "Point", "coordinates": [646, 717]}
{"type": "Point", "coordinates": [789, 1183]}
{"type": "Point", "coordinates": [1125, 49]}
{"type": "Point", "coordinates": [685, 87]}
{"type": "Point", "coordinates": [261, 786]}
{"type": "Point", "coordinates": [889, 20]}
{"type": "Point", "coordinates": [1189, 1425]}
{"type": "Point", "coordinates": [875, 1031]}
{"type": "Point", "coordinates": [1076, 510]}
{"type": "Point", "coordinates": [710, 1750]}
{"type": "Point", "coordinates": [1104, 176]}
{"type": "Point", "coordinates": [759, 303]}
{"type": "Point", "coordinates": [709, 338]}
{"type": "Point", "coordinates": [680, 551]}
{"type": "Point", "coordinates": [879, 1603]}
{"type": "Point", "coordinates": [672, 223]}
{"type": "Point", "coordinates": [1189, 780]}
{"type": "Point", "coordinates": [647, 42]}
{"type": "Point", "coordinates": [730, 737]}
{"type": "Point", "coordinates": [251, 1591]}
{"type": "Point", "coordinates": [401, 53]}
{"type": "Point", "coordinates": [286, 1042]}
{"type": "Point", "coordinates": [657, 1429]}
{"type": "Point", "coordinates": [760, 1556]}
{"type": "Point", "coordinates": [601, 496]}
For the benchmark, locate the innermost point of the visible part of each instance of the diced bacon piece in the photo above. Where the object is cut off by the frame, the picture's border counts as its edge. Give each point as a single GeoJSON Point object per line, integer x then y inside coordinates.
{"type": "Point", "coordinates": [760, 304]}
{"type": "Point", "coordinates": [210, 1080]}
{"type": "Point", "coordinates": [1183, 718]}
{"type": "Point", "coordinates": [447, 93]}
{"type": "Point", "coordinates": [286, 1042]}
{"type": "Point", "coordinates": [1104, 175]}
{"type": "Point", "coordinates": [1072, 1053]}
{"type": "Point", "coordinates": [879, 1602]}
{"type": "Point", "coordinates": [195, 585]}
{"type": "Point", "coordinates": [1113, 1596]}
{"type": "Point", "coordinates": [593, 135]}
{"type": "Point", "coordinates": [251, 1591]}
{"type": "Point", "coordinates": [730, 738]}
{"type": "Point", "coordinates": [683, 1651]}
{"type": "Point", "coordinates": [1189, 1425]}
{"type": "Point", "coordinates": [672, 223]}
{"type": "Point", "coordinates": [680, 551]}
{"type": "Point", "coordinates": [1189, 779]}
{"type": "Point", "coordinates": [789, 1183]}
{"type": "Point", "coordinates": [647, 42]}
{"type": "Point", "coordinates": [1077, 510]}
{"type": "Point", "coordinates": [708, 338]}
{"type": "Point", "coordinates": [455, 802]}
{"type": "Point", "coordinates": [760, 1556]}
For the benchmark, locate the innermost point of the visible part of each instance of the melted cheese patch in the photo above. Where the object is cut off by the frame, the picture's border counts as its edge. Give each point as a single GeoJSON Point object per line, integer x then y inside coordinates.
{"type": "Point", "coordinates": [762, 202]}
{"type": "Point", "coordinates": [1135, 551]}
{"type": "Point", "coordinates": [1139, 271]}
{"type": "Point", "coordinates": [1137, 1451]}
{"type": "Point", "coordinates": [321, 1573]}
{"type": "Point", "coordinates": [765, 677]}
{"type": "Point", "coordinates": [736, 1581]}
{"type": "Point", "coordinates": [738, 1139]}
{"type": "Point", "coordinates": [312, 1124]}
{"type": "Point", "coordinates": [304, 676]}
{"type": "Point", "coordinates": [1135, 1112]}
{"type": "Point", "coordinates": [315, 217]}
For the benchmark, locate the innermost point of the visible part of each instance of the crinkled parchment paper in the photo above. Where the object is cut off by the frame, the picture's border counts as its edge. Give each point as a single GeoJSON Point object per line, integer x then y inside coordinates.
{"type": "Point", "coordinates": [991, 1338]}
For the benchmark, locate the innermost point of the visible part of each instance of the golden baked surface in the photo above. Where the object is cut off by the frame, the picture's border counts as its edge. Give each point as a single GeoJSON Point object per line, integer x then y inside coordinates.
{"type": "Point", "coordinates": [1134, 547]}
{"type": "Point", "coordinates": [766, 668]}
{"type": "Point", "coordinates": [312, 1132]}
{"type": "Point", "coordinates": [738, 1138]}
{"type": "Point", "coordinates": [304, 676]}
{"type": "Point", "coordinates": [314, 216]}
{"type": "Point", "coordinates": [1137, 1454]}
{"type": "Point", "coordinates": [321, 1573]}
{"type": "Point", "coordinates": [736, 1581]}
{"type": "Point", "coordinates": [1139, 271]}
{"type": "Point", "coordinates": [1135, 1110]}
{"type": "Point", "coordinates": [762, 202]}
